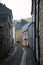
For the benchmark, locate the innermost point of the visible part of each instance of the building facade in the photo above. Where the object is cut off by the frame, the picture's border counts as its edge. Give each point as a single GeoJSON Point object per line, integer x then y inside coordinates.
{"type": "Point", "coordinates": [37, 17]}
{"type": "Point", "coordinates": [27, 35]}
{"type": "Point", "coordinates": [41, 31]}
{"type": "Point", "coordinates": [18, 28]}
{"type": "Point", "coordinates": [6, 30]}
{"type": "Point", "coordinates": [18, 33]}
{"type": "Point", "coordinates": [18, 36]}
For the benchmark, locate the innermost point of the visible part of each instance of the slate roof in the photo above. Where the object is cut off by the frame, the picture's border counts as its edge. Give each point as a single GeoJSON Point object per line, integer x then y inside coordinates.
{"type": "Point", "coordinates": [4, 9]}
{"type": "Point", "coordinates": [20, 24]}
{"type": "Point", "coordinates": [25, 27]}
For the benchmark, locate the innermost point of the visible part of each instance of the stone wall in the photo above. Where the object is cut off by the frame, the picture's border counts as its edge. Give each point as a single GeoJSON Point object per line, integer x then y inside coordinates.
{"type": "Point", "coordinates": [41, 32]}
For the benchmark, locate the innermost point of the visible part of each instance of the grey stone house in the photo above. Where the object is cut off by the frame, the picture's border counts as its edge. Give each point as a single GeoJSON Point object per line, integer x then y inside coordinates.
{"type": "Point", "coordinates": [41, 31]}
{"type": "Point", "coordinates": [37, 17]}
{"type": "Point", "coordinates": [6, 31]}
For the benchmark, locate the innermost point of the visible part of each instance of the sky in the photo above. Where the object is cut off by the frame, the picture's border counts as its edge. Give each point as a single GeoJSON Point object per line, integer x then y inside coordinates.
{"type": "Point", "coordinates": [20, 8]}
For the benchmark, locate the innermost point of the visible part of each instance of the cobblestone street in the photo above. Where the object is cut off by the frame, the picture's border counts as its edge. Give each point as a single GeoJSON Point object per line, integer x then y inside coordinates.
{"type": "Point", "coordinates": [23, 56]}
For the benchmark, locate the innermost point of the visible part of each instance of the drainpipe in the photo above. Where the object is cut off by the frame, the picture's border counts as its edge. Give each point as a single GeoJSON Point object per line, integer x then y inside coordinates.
{"type": "Point", "coordinates": [38, 35]}
{"type": "Point", "coordinates": [35, 32]}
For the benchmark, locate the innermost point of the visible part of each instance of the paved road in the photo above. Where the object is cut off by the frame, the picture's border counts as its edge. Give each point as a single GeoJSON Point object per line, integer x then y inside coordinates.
{"type": "Point", "coordinates": [23, 61]}
{"type": "Point", "coordinates": [23, 56]}
{"type": "Point", "coordinates": [30, 60]}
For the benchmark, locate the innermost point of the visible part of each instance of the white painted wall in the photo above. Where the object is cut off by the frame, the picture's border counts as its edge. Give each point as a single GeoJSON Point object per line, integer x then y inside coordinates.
{"type": "Point", "coordinates": [14, 33]}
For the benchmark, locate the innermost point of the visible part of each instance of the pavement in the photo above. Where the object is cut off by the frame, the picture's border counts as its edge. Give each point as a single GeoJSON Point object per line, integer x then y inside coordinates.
{"type": "Point", "coordinates": [21, 56]}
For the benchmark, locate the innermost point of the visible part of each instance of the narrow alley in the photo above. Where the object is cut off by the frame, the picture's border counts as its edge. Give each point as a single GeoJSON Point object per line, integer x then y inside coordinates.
{"type": "Point", "coordinates": [22, 56]}
{"type": "Point", "coordinates": [21, 32]}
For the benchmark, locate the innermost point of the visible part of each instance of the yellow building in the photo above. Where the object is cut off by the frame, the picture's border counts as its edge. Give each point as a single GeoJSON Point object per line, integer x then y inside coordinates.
{"type": "Point", "coordinates": [18, 36]}
{"type": "Point", "coordinates": [18, 33]}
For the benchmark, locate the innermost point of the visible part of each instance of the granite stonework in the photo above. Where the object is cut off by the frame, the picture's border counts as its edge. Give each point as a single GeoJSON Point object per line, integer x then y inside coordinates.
{"type": "Point", "coordinates": [41, 32]}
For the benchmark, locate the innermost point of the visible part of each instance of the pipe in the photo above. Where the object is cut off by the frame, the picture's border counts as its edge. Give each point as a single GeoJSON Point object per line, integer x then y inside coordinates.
{"type": "Point", "coordinates": [35, 32]}
{"type": "Point", "coordinates": [38, 36]}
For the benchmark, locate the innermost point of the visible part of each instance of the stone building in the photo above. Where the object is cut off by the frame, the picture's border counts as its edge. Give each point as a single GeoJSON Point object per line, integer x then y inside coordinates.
{"type": "Point", "coordinates": [6, 31]}
{"type": "Point", "coordinates": [41, 31]}
{"type": "Point", "coordinates": [37, 17]}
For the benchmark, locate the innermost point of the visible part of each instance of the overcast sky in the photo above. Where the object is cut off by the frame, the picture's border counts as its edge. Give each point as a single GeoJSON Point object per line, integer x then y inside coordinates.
{"type": "Point", "coordinates": [20, 8]}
